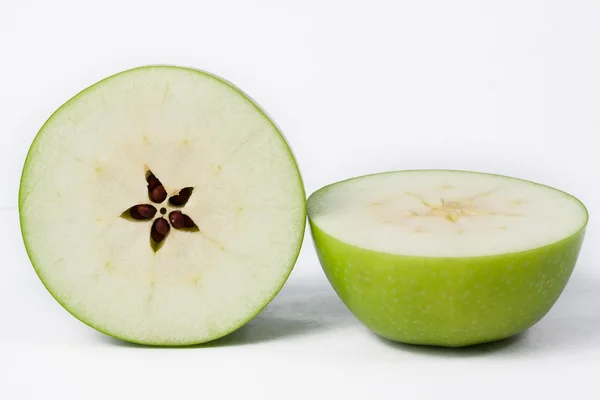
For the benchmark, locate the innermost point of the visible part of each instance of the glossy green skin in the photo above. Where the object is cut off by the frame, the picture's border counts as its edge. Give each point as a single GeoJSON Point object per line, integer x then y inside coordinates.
{"type": "Point", "coordinates": [447, 301]}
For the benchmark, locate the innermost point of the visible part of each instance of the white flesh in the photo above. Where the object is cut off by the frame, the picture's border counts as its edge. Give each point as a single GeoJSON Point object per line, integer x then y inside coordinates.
{"type": "Point", "coordinates": [88, 166]}
{"type": "Point", "coordinates": [418, 213]}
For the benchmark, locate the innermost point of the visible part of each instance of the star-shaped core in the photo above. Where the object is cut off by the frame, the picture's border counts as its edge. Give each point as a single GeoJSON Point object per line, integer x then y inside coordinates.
{"type": "Point", "coordinates": [160, 226]}
{"type": "Point", "coordinates": [454, 210]}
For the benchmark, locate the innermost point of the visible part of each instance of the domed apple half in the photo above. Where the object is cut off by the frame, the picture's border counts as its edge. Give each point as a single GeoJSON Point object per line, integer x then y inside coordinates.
{"type": "Point", "coordinates": [162, 206]}
{"type": "Point", "coordinates": [447, 258]}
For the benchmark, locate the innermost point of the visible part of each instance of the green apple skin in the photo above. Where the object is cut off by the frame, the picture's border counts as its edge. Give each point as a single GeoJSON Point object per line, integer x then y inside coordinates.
{"type": "Point", "coordinates": [450, 302]}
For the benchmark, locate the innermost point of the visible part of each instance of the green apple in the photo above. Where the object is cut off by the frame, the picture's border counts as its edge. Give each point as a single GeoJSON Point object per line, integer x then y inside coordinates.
{"type": "Point", "coordinates": [447, 258]}
{"type": "Point", "coordinates": [162, 206]}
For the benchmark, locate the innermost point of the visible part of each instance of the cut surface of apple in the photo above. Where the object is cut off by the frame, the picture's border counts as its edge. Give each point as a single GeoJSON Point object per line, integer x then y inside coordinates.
{"type": "Point", "coordinates": [446, 257]}
{"type": "Point", "coordinates": [162, 206]}
{"type": "Point", "coordinates": [446, 214]}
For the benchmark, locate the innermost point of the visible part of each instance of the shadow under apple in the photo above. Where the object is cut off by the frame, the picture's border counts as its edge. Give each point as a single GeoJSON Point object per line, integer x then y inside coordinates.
{"type": "Point", "coordinates": [574, 321]}
{"type": "Point", "coordinates": [304, 306]}
{"type": "Point", "coordinates": [310, 306]}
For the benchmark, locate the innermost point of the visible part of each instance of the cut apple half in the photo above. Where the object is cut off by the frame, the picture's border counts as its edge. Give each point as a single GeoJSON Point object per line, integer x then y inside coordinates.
{"type": "Point", "coordinates": [162, 206]}
{"type": "Point", "coordinates": [446, 257]}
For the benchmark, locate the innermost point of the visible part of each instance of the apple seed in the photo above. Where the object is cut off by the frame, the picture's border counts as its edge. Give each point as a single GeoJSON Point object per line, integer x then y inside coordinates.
{"type": "Point", "coordinates": [188, 222]}
{"type": "Point", "coordinates": [159, 230]}
{"type": "Point", "coordinates": [158, 194]}
{"type": "Point", "coordinates": [182, 197]}
{"type": "Point", "coordinates": [142, 211]}
{"type": "Point", "coordinates": [177, 219]}
{"type": "Point", "coordinates": [152, 181]}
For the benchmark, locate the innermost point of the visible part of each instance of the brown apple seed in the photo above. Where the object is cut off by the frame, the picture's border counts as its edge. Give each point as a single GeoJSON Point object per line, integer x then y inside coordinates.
{"type": "Point", "coordinates": [152, 182]}
{"type": "Point", "coordinates": [147, 211]}
{"type": "Point", "coordinates": [158, 194]}
{"type": "Point", "coordinates": [159, 229]}
{"type": "Point", "coordinates": [181, 198]}
{"type": "Point", "coordinates": [189, 223]}
{"type": "Point", "coordinates": [177, 219]}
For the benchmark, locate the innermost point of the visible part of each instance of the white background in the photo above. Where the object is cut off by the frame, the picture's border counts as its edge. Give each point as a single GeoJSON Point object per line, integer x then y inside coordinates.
{"type": "Point", "coordinates": [510, 87]}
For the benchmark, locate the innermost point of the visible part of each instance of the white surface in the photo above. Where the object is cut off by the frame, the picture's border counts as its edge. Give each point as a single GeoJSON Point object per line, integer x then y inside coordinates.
{"type": "Point", "coordinates": [445, 213]}
{"type": "Point", "coordinates": [508, 87]}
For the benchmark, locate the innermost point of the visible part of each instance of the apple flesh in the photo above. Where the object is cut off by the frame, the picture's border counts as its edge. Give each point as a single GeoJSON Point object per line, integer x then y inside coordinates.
{"type": "Point", "coordinates": [446, 258]}
{"type": "Point", "coordinates": [162, 206]}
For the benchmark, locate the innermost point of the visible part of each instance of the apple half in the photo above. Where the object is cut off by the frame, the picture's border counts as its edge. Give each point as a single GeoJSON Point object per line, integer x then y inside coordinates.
{"type": "Point", "coordinates": [447, 258]}
{"type": "Point", "coordinates": [161, 206]}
